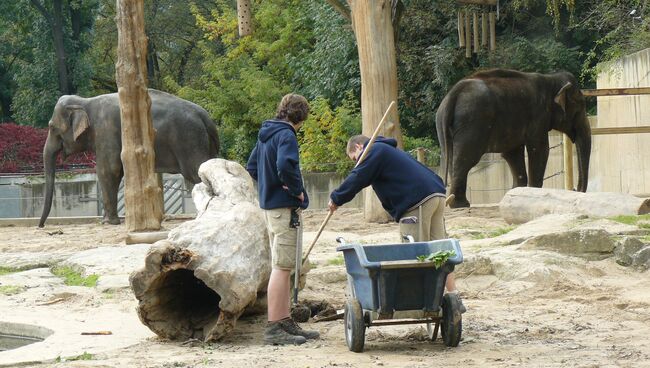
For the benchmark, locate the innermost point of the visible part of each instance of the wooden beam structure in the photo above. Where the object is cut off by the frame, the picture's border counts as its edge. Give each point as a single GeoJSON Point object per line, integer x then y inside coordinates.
{"type": "Point", "coordinates": [620, 130]}
{"type": "Point", "coordinates": [478, 2]}
{"type": "Point", "coordinates": [616, 91]}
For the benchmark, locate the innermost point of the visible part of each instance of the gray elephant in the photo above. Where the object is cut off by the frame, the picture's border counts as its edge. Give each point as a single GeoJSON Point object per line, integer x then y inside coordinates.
{"type": "Point", "coordinates": [185, 138]}
{"type": "Point", "coordinates": [507, 111]}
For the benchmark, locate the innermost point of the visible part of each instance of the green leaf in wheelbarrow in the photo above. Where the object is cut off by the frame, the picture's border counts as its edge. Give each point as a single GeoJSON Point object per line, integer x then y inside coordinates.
{"type": "Point", "coordinates": [438, 258]}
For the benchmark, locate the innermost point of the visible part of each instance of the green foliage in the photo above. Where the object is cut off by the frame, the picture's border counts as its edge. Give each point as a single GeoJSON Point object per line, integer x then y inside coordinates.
{"type": "Point", "coordinates": [431, 149]}
{"type": "Point", "coordinates": [324, 136]}
{"type": "Point", "coordinates": [244, 82]}
{"type": "Point", "coordinates": [11, 289]}
{"type": "Point", "coordinates": [338, 261]}
{"type": "Point", "coordinates": [7, 270]}
{"type": "Point", "coordinates": [493, 233]}
{"type": "Point", "coordinates": [72, 276]}
{"type": "Point", "coordinates": [642, 221]}
{"type": "Point", "coordinates": [84, 356]}
{"type": "Point", "coordinates": [438, 258]}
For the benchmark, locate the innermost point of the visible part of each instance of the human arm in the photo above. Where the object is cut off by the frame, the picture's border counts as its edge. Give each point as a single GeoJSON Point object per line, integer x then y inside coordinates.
{"type": "Point", "coordinates": [288, 166]}
{"type": "Point", "coordinates": [359, 178]}
{"type": "Point", "coordinates": [251, 165]}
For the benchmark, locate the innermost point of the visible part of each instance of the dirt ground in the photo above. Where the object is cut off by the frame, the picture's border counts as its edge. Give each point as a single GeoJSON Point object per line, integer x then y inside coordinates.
{"type": "Point", "coordinates": [592, 314]}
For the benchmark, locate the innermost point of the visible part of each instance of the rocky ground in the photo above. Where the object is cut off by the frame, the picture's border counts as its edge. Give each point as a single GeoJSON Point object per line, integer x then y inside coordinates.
{"type": "Point", "coordinates": [559, 291]}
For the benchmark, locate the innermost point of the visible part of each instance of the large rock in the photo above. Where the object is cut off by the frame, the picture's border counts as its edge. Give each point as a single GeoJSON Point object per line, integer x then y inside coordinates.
{"type": "Point", "coordinates": [523, 204]}
{"type": "Point", "coordinates": [196, 283]}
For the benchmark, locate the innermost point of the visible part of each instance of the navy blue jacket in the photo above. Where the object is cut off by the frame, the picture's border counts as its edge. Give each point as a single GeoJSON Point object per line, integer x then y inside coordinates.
{"type": "Point", "coordinates": [398, 179]}
{"type": "Point", "coordinates": [274, 164]}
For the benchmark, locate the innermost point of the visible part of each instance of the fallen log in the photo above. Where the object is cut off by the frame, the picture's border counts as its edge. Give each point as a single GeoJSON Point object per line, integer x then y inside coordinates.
{"type": "Point", "coordinates": [204, 276]}
{"type": "Point", "coordinates": [524, 204]}
{"type": "Point", "coordinates": [145, 237]}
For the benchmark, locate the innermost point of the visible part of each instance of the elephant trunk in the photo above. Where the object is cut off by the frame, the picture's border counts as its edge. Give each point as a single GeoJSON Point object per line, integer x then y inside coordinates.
{"type": "Point", "coordinates": [583, 148]}
{"type": "Point", "coordinates": [52, 147]}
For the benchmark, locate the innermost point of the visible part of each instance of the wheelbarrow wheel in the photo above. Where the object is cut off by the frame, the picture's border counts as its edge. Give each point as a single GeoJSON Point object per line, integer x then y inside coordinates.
{"type": "Point", "coordinates": [355, 327]}
{"type": "Point", "coordinates": [452, 320]}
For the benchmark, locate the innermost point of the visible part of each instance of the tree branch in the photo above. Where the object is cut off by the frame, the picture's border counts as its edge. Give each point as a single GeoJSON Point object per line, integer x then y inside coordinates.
{"type": "Point", "coordinates": [341, 8]}
{"type": "Point", "coordinates": [41, 9]}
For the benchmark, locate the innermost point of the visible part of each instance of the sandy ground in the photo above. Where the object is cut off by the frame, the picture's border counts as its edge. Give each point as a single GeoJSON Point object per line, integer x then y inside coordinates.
{"type": "Point", "coordinates": [591, 314]}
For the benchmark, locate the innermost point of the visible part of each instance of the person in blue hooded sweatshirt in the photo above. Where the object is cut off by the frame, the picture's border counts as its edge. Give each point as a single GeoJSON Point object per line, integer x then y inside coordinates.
{"type": "Point", "coordinates": [274, 164]}
{"type": "Point", "coordinates": [406, 189]}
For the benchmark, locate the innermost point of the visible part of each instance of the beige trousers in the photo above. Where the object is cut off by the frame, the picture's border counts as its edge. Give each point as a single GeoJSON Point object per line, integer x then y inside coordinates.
{"type": "Point", "coordinates": [431, 223]}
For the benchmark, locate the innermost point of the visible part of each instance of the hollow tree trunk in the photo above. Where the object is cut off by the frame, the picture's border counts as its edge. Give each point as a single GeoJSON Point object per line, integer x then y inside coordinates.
{"type": "Point", "coordinates": [209, 271]}
{"type": "Point", "coordinates": [373, 29]}
{"type": "Point", "coordinates": [142, 195]}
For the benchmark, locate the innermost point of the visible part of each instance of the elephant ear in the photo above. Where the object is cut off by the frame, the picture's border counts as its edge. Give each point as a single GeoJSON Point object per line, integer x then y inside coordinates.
{"type": "Point", "coordinates": [79, 120]}
{"type": "Point", "coordinates": [560, 98]}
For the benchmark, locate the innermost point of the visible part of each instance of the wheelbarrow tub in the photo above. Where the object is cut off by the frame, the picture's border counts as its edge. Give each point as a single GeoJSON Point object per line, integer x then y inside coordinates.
{"type": "Point", "coordinates": [388, 277]}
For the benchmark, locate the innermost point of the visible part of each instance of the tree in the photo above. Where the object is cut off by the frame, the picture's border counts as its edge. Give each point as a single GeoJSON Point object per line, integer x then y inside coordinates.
{"type": "Point", "coordinates": [372, 22]}
{"type": "Point", "coordinates": [142, 194]}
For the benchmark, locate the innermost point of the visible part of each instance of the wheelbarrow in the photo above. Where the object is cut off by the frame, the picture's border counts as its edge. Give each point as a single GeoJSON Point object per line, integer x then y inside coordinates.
{"type": "Point", "coordinates": [388, 285]}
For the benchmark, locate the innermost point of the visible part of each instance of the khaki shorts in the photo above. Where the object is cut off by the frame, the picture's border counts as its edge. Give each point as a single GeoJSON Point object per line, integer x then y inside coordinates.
{"type": "Point", "coordinates": [433, 221]}
{"type": "Point", "coordinates": [282, 237]}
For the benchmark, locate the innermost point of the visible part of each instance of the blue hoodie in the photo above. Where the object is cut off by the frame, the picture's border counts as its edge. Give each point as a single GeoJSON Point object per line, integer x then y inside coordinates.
{"type": "Point", "coordinates": [398, 179]}
{"type": "Point", "coordinates": [274, 164]}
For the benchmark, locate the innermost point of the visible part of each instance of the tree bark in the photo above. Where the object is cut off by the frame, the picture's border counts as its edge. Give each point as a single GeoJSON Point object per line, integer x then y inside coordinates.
{"type": "Point", "coordinates": [373, 29]}
{"type": "Point", "coordinates": [244, 17]}
{"type": "Point", "coordinates": [142, 193]}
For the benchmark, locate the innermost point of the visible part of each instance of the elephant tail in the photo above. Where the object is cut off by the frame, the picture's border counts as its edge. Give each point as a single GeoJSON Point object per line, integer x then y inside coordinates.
{"type": "Point", "coordinates": [444, 120]}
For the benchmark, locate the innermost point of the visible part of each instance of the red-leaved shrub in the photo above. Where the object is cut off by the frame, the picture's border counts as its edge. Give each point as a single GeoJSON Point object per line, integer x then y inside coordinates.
{"type": "Point", "coordinates": [21, 150]}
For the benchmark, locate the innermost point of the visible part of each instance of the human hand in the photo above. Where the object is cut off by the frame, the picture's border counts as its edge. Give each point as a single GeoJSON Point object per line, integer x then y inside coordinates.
{"type": "Point", "coordinates": [332, 206]}
{"type": "Point", "coordinates": [301, 197]}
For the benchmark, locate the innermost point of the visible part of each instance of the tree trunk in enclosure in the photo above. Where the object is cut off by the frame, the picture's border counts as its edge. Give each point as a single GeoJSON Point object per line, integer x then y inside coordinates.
{"type": "Point", "coordinates": [142, 195]}
{"type": "Point", "coordinates": [209, 271]}
{"type": "Point", "coordinates": [244, 17]}
{"type": "Point", "coordinates": [373, 29]}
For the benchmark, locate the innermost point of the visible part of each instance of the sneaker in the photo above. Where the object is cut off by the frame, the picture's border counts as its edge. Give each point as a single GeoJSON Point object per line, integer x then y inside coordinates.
{"type": "Point", "coordinates": [292, 328]}
{"type": "Point", "coordinates": [276, 335]}
{"type": "Point", "coordinates": [462, 307]}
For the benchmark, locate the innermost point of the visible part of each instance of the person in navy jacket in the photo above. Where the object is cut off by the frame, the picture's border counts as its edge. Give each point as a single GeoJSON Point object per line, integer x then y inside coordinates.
{"type": "Point", "coordinates": [412, 194]}
{"type": "Point", "coordinates": [274, 164]}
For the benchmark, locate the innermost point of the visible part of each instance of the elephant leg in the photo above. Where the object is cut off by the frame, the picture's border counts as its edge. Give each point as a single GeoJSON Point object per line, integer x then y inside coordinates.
{"type": "Point", "coordinates": [463, 161]}
{"type": "Point", "coordinates": [517, 164]}
{"type": "Point", "coordinates": [537, 160]}
{"type": "Point", "coordinates": [109, 179]}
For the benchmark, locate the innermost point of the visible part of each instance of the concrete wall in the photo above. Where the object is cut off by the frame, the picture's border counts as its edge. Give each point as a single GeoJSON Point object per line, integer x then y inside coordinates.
{"type": "Point", "coordinates": [77, 195]}
{"type": "Point", "coordinates": [621, 163]}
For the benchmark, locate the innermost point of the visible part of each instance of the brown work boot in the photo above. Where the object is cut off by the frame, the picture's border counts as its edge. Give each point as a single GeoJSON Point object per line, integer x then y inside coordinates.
{"type": "Point", "coordinates": [276, 335]}
{"type": "Point", "coordinates": [291, 327]}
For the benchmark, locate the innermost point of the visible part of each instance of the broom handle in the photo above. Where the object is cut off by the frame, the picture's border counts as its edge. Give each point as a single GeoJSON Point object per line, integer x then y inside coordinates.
{"type": "Point", "coordinates": [363, 156]}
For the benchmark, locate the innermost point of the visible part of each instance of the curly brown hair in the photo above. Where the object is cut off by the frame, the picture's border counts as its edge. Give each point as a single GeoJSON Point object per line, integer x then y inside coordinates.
{"type": "Point", "coordinates": [293, 108]}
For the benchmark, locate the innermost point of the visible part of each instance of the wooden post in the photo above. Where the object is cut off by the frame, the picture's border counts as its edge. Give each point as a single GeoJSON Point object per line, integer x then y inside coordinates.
{"type": "Point", "coordinates": [567, 149]}
{"type": "Point", "coordinates": [461, 29]}
{"type": "Point", "coordinates": [373, 29]}
{"type": "Point", "coordinates": [420, 155]}
{"type": "Point", "coordinates": [476, 41]}
{"type": "Point", "coordinates": [141, 190]}
{"type": "Point", "coordinates": [468, 37]}
{"type": "Point", "coordinates": [244, 17]}
{"type": "Point", "coordinates": [484, 29]}
{"type": "Point", "coordinates": [493, 32]}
